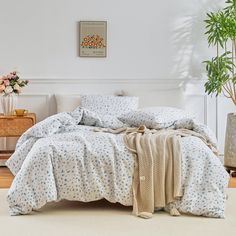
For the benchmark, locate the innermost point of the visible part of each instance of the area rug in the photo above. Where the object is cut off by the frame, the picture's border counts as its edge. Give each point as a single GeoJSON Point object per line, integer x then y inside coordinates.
{"type": "Point", "coordinates": [102, 219]}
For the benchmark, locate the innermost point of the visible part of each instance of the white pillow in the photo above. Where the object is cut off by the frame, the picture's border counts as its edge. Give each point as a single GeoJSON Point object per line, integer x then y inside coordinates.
{"type": "Point", "coordinates": [108, 104]}
{"type": "Point", "coordinates": [154, 117]}
{"type": "Point", "coordinates": [92, 119]}
{"type": "Point", "coordinates": [105, 121]}
{"type": "Point", "coordinates": [66, 103]}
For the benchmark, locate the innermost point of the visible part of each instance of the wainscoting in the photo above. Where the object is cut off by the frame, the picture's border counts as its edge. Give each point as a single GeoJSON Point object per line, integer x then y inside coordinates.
{"type": "Point", "coordinates": [39, 97]}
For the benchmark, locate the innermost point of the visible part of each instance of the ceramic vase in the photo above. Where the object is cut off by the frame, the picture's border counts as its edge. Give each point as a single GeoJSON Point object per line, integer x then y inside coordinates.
{"type": "Point", "coordinates": [8, 104]}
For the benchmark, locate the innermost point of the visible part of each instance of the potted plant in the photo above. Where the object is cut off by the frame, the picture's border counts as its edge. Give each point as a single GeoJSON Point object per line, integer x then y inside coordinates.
{"type": "Point", "coordinates": [221, 70]}
{"type": "Point", "coordinates": [10, 87]}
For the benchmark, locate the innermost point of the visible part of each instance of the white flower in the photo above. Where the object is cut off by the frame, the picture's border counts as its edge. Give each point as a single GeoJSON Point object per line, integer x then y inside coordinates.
{"type": "Point", "coordinates": [16, 87]}
{"type": "Point", "coordinates": [8, 90]}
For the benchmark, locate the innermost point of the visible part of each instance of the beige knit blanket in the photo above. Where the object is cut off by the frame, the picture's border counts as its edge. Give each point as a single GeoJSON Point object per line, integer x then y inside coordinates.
{"type": "Point", "coordinates": [157, 169]}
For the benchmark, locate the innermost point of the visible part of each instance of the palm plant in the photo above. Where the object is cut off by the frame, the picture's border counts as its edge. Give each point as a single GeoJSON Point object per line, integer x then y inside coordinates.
{"type": "Point", "coordinates": [221, 32]}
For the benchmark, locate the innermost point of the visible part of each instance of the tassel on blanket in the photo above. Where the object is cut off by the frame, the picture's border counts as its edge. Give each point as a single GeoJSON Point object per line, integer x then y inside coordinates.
{"type": "Point", "coordinates": [145, 215]}
{"type": "Point", "coordinates": [174, 212]}
{"type": "Point", "coordinates": [171, 208]}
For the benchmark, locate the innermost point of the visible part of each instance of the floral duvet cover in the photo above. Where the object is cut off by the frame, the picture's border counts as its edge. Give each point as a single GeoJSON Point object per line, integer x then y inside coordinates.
{"type": "Point", "coordinates": [63, 158]}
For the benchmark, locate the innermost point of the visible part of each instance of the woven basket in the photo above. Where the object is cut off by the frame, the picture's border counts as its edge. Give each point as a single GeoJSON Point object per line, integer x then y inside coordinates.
{"type": "Point", "coordinates": [13, 127]}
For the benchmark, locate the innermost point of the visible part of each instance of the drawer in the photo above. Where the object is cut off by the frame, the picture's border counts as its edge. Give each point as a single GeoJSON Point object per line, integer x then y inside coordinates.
{"type": "Point", "coordinates": [14, 127]}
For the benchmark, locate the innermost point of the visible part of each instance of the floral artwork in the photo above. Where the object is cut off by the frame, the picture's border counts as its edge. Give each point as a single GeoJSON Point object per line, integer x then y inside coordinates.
{"type": "Point", "coordinates": [93, 38]}
{"type": "Point", "coordinates": [93, 41]}
{"type": "Point", "coordinates": [11, 83]}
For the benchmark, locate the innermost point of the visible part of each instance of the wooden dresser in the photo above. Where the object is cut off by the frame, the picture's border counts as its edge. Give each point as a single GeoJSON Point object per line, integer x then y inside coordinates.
{"type": "Point", "coordinates": [13, 126]}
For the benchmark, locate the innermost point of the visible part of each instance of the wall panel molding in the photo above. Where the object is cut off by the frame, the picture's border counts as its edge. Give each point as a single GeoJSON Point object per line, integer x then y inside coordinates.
{"type": "Point", "coordinates": [102, 80]}
{"type": "Point", "coordinates": [59, 80]}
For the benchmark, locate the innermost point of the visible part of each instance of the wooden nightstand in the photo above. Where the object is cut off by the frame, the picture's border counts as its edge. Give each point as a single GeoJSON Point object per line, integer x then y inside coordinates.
{"type": "Point", "coordinates": [14, 126]}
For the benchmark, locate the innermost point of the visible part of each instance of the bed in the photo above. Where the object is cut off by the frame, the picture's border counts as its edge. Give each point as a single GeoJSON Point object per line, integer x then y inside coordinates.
{"type": "Point", "coordinates": [64, 157]}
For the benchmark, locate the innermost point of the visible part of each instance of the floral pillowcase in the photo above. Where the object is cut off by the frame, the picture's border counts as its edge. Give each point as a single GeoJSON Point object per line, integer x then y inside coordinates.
{"type": "Point", "coordinates": [154, 117]}
{"type": "Point", "coordinates": [108, 104]}
{"type": "Point", "coordinates": [90, 118]}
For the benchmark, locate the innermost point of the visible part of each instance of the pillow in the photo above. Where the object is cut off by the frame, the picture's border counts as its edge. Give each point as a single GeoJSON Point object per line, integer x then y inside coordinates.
{"type": "Point", "coordinates": [66, 103]}
{"type": "Point", "coordinates": [108, 104]}
{"type": "Point", "coordinates": [154, 117]}
{"type": "Point", "coordinates": [199, 128]}
{"type": "Point", "coordinates": [92, 119]}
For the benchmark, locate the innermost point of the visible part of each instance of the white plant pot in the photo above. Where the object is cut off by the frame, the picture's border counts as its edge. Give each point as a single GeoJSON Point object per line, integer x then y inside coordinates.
{"type": "Point", "coordinates": [230, 142]}
{"type": "Point", "coordinates": [8, 104]}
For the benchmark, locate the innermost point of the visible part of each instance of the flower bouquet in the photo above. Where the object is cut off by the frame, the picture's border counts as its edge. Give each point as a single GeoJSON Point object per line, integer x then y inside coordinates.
{"type": "Point", "coordinates": [11, 83]}
{"type": "Point", "coordinates": [10, 86]}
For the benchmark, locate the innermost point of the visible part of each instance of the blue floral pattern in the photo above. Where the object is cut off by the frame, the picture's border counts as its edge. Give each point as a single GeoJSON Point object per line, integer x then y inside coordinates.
{"type": "Point", "coordinates": [59, 158]}
{"type": "Point", "coordinates": [154, 117]}
{"type": "Point", "coordinates": [108, 104]}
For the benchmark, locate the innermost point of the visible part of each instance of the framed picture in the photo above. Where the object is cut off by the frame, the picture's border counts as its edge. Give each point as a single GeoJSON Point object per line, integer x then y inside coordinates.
{"type": "Point", "coordinates": [92, 38]}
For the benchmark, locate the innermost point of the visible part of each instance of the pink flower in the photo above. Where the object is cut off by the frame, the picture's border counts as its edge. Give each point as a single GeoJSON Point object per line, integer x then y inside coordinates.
{"type": "Point", "coordinates": [2, 87]}
{"type": "Point", "coordinates": [6, 82]}
{"type": "Point", "coordinates": [12, 75]}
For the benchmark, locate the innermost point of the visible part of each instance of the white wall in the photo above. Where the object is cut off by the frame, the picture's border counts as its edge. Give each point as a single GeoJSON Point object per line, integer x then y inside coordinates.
{"type": "Point", "coordinates": [146, 39]}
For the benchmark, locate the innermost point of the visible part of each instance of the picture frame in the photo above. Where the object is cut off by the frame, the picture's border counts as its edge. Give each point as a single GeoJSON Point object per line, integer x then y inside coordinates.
{"type": "Point", "coordinates": [93, 38]}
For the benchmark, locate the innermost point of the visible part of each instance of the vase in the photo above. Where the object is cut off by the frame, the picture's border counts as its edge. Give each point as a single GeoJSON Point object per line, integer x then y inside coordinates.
{"type": "Point", "coordinates": [230, 142]}
{"type": "Point", "coordinates": [8, 104]}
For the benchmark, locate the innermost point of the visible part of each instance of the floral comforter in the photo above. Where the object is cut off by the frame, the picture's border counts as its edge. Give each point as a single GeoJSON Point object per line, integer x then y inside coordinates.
{"type": "Point", "coordinates": [63, 158]}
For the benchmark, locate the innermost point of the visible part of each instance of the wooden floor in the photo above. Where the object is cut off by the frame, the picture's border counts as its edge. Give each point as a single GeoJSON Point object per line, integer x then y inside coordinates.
{"type": "Point", "coordinates": [6, 179]}
{"type": "Point", "coordinates": [232, 182]}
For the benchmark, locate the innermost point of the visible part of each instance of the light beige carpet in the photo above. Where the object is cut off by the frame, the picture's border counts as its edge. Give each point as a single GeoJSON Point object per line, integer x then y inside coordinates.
{"type": "Point", "coordinates": [102, 218]}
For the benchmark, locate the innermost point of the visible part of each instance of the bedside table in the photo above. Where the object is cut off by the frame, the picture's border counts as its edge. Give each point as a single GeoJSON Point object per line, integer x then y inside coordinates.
{"type": "Point", "coordinates": [14, 126]}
